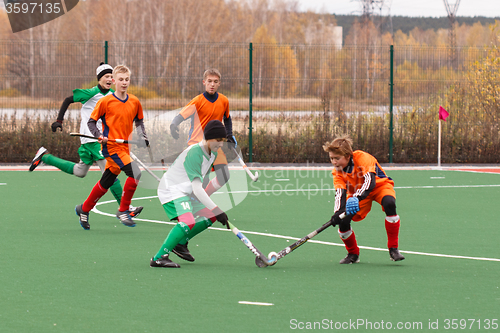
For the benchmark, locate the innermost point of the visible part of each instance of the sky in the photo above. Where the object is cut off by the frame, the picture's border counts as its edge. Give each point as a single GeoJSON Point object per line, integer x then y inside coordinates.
{"type": "Point", "coordinates": [426, 8]}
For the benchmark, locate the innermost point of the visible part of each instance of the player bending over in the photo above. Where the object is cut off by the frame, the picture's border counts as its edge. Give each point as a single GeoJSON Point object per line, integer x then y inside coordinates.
{"type": "Point", "coordinates": [181, 193]}
{"type": "Point", "coordinates": [90, 150]}
{"type": "Point", "coordinates": [118, 112]}
{"type": "Point", "coordinates": [359, 180]}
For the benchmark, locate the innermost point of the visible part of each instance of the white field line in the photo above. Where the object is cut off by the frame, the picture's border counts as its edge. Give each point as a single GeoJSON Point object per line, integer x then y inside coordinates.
{"type": "Point", "coordinates": [312, 240]}
{"type": "Point", "coordinates": [255, 303]}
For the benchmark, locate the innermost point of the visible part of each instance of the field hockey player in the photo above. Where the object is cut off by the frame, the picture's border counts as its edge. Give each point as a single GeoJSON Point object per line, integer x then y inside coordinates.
{"type": "Point", "coordinates": [359, 180]}
{"type": "Point", "coordinates": [182, 195]}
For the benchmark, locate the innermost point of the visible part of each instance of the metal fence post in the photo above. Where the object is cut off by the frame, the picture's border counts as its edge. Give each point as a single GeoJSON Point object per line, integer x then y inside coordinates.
{"type": "Point", "coordinates": [106, 52]}
{"type": "Point", "coordinates": [391, 95]}
{"type": "Point", "coordinates": [250, 83]}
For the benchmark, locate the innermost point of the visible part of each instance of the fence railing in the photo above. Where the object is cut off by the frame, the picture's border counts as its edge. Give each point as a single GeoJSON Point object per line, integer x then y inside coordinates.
{"type": "Point", "coordinates": [302, 95]}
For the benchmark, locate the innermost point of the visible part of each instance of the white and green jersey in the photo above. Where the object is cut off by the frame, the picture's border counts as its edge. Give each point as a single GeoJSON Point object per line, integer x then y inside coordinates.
{"type": "Point", "coordinates": [193, 162]}
{"type": "Point", "coordinates": [88, 98]}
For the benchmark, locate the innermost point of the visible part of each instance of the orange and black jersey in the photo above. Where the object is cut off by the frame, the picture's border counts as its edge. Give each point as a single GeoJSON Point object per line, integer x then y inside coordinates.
{"type": "Point", "coordinates": [201, 110]}
{"type": "Point", "coordinates": [358, 178]}
{"type": "Point", "coordinates": [118, 117]}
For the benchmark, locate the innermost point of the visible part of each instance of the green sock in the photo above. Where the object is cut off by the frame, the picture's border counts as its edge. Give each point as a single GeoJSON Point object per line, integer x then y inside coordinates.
{"type": "Point", "coordinates": [202, 224]}
{"type": "Point", "coordinates": [116, 190]}
{"type": "Point", "coordinates": [178, 233]}
{"type": "Point", "coordinates": [59, 163]}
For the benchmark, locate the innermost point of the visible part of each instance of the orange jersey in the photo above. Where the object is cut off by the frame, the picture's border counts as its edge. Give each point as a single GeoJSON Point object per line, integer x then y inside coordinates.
{"type": "Point", "coordinates": [353, 178]}
{"type": "Point", "coordinates": [117, 120]}
{"type": "Point", "coordinates": [201, 111]}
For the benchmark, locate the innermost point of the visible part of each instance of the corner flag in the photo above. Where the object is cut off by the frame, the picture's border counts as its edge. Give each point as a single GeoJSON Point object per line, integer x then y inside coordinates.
{"type": "Point", "coordinates": [443, 114]}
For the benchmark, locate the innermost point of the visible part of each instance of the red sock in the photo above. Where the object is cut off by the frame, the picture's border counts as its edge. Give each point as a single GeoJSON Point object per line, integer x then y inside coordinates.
{"type": "Point", "coordinates": [392, 229]}
{"type": "Point", "coordinates": [128, 192]}
{"type": "Point", "coordinates": [97, 192]}
{"type": "Point", "coordinates": [351, 244]}
{"type": "Point", "coordinates": [212, 186]}
{"type": "Point", "coordinates": [187, 218]}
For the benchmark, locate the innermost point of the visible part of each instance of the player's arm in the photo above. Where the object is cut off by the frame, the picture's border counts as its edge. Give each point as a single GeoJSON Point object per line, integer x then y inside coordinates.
{"type": "Point", "coordinates": [203, 197]}
{"type": "Point", "coordinates": [228, 124]}
{"type": "Point", "coordinates": [60, 117]}
{"type": "Point", "coordinates": [141, 132]}
{"type": "Point", "coordinates": [368, 186]}
{"type": "Point", "coordinates": [188, 111]}
{"type": "Point", "coordinates": [92, 125]}
{"type": "Point", "coordinates": [339, 207]}
{"type": "Point", "coordinates": [352, 204]}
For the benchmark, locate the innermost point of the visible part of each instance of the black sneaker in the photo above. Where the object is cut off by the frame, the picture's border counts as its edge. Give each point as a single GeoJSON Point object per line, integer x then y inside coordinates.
{"type": "Point", "coordinates": [395, 255]}
{"type": "Point", "coordinates": [84, 217]}
{"type": "Point", "coordinates": [38, 158]}
{"type": "Point", "coordinates": [183, 252]}
{"type": "Point", "coordinates": [125, 218]}
{"type": "Point", "coordinates": [163, 262]}
{"type": "Point", "coordinates": [351, 258]}
{"type": "Point", "coordinates": [135, 211]}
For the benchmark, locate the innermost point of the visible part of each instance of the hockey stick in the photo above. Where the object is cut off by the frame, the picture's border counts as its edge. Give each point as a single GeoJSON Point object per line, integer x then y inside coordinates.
{"type": "Point", "coordinates": [110, 140]}
{"type": "Point", "coordinates": [273, 257]}
{"type": "Point", "coordinates": [144, 166]}
{"type": "Point", "coordinates": [263, 260]}
{"type": "Point", "coordinates": [253, 177]}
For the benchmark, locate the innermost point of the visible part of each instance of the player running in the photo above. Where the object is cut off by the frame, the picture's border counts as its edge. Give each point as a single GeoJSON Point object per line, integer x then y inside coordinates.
{"type": "Point", "coordinates": [90, 149]}
{"type": "Point", "coordinates": [118, 112]}
{"type": "Point", "coordinates": [359, 180]}
{"type": "Point", "coordinates": [210, 105]}
{"type": "Point", "coordinates": [181, 193]}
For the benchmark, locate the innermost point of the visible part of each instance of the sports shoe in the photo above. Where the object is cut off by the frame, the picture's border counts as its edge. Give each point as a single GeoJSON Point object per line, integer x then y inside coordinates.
{"type": "Point", "coordinates": [183, 252]}
{"type": "Point", "coordinates": [125, 218]}
{"type": "Point", "coordinates": [395, 255]}
{"type": "Point", "coordinates": [38, 158]}
{"type": "Point", "coordinates": [135, 211]}
{"type": "Point", "coordinates": [163, 262]}
{"type": "Point", "coordinates": [84, 217]}
{"type": "Point", "coordinates": [351, 258]}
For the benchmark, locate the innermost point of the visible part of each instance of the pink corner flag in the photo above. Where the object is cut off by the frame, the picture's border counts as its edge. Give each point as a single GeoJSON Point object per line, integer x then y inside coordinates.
{"type": "Point", "coordinates": [443, 114]}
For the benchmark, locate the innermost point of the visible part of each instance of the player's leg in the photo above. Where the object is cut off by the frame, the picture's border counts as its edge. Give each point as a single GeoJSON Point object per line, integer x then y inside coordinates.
{"type": "Point", "coordinates": [116, 189]}
{"type": "Point", "coordinates": [181, 210]}
{"type": "Point", "coordinates": [349, 238]}
{"type": "Point", "coordinates": [347, 234]}
{"type": "Point", "coordinates": [392, 225]}
{"type": "Point", "coordinates": [99, 189]}
{"type": "Point", "coordinates": [131, 169]}
{"type": "Point", "coordinates": [42, 155]}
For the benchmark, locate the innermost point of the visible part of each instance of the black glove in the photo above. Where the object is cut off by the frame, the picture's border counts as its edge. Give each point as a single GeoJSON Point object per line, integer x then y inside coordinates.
{"type": "Point", "coordinates": [174, 131]}
{"type": "Point", "coordinates": [336, 220]}
{"type": "Point", "coordinates": [143, 143]}
{"type": "Point", "coordinates": [56, 125]}
{"type": "Point", "coordinates": [221, 216]}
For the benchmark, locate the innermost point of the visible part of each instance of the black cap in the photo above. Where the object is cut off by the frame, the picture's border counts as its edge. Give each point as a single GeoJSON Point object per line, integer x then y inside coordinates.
{"type": "Point", "coordinates": [214, 130]}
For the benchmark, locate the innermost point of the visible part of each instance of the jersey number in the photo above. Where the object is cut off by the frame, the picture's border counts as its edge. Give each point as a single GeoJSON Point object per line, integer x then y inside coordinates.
{"type": "Point", "coordinates": [185, 205]}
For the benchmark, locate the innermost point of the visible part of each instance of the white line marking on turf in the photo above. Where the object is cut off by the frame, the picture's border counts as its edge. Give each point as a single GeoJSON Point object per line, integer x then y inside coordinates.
{"type": "Point", "coordinates": [95, 210]}
{"type": "Point", "coordinates": [437, 177]}
{"type": "Point", "coordinates": [255, 303]}
{"type": "Point", "coordinates": [282, 180]}
{"type": "Point", "coordinates": [3, 183]}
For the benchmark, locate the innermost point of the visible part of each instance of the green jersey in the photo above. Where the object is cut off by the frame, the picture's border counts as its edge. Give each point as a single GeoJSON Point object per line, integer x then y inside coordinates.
{"type": "Point", "coordinates": [89, 99]}
{"type": "Point", "coordinates": [193, 162]}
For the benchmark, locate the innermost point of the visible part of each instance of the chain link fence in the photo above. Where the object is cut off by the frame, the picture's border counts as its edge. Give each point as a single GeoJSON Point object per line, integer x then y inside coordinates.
{"type": "Point", "coordinates": [302, 96]}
